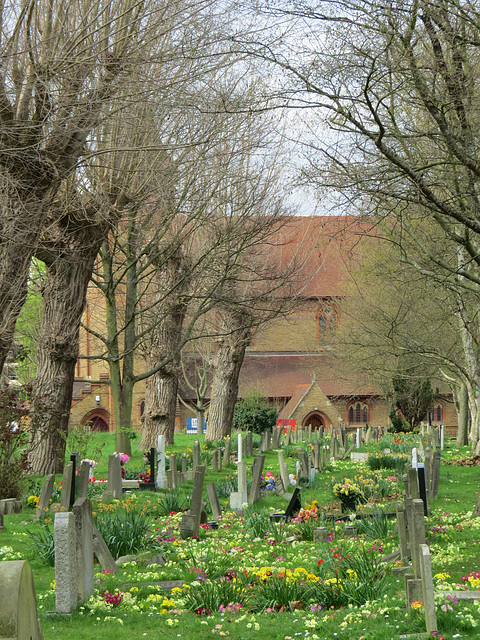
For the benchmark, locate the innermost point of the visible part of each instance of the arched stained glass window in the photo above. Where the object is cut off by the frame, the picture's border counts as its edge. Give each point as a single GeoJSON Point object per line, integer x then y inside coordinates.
{"type": "Point", "coordinates": [350, 415]}
{"type": "Point", "coordinates": [358, 412]}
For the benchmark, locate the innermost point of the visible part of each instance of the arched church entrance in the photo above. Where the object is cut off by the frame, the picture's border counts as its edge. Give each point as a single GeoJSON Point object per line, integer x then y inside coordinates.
{"type": "Point", "coordinates": [97, 419]}
{"type": "Point", "coordinates": [317, 419]}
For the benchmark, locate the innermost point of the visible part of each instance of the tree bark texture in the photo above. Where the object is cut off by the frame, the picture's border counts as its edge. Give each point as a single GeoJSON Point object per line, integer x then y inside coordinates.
{"type": "Point", "coordinates": [162, 386]}
{"type": "Point", "coordinates": [64, 299]}
{"type": "Point", "coordinates": [460, 395]}
{"type": "Point", "coordinates": [226, 370]}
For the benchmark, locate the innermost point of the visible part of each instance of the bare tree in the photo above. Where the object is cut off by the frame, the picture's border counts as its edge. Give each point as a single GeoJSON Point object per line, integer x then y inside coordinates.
{"type": "Point", "coordinates": [62, 66]}
{"type": "Point", "coordinates": [397, 86]}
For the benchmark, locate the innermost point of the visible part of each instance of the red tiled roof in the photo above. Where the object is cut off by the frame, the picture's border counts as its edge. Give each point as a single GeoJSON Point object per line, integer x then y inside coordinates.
{"type": "Point", "coordinates": [323, 247]}
{"type": "Point", "coordinates": [277, 376]}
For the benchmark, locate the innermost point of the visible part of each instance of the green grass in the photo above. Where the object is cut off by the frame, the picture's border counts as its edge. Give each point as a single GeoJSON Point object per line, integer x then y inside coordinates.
{"type": "Point", "coordinates": [455, 549]}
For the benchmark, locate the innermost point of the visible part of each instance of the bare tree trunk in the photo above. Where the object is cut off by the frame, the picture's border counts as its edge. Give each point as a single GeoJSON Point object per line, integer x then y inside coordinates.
{"type": "Point", "coordinates": [463, 418]}
{"type": "Point", "coordinates": [64, 299]}
{"type": "Point", "coordinates": [162, 386]}
{"type": "Point", "coordinates": [160, 407]}
{"type": "Point", "coordinates": [226, 370]}
{"type": "Point", "coordinates": [21, 220]}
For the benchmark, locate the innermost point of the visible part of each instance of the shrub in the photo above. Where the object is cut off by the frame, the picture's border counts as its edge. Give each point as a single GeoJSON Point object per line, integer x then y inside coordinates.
{"type": "Point", "coordinates": [253, 413]}
{"type": "Point", "coordinates": [14, 437]}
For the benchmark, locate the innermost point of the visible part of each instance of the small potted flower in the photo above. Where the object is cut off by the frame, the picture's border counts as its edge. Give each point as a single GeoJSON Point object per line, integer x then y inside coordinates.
{"type": "Point", "coordinates": [349, 493]}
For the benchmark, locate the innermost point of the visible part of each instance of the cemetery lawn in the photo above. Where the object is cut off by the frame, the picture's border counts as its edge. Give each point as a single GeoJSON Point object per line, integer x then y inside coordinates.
{"type": "Point", "coordinates": [275, 583]}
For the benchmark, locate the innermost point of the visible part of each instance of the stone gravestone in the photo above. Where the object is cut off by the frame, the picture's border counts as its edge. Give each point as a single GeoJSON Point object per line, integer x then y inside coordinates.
{"type": "Point", "coordinates": [214, 502]}
{"type": "Point", "coordinates": [239, 448]}
{"type": "Point", "coordinates": [294, 505]}
{"type": "Point", "coordinates": [18, 602]}
{"type": "Point", "coordinates": [435, 475]}
{"type": "Point", "coordinates": [83, 480]}
{"type": "Point", "coordinates": [277, 434]}
{"type": "Point", "coordinates": [249, 445]}
{"type": "Point", "coordinates": [256, 476]}
{"type": "Point", "coordinates": [288, 436]}
{"type": "Point", "coordinates": [173, 469]}
{"type": "Point", "coordinates": [305, 471]}
{"type": "Point", "coordinates": [239, 498]}
{"type": "Point", "coordinates": [161, 479]}
{"type": "Point", "coordinates": [413, 581]}
{"type": "Point", "coordinates": [279, 486]}
{"type": "Point", "coordinates": [73, 485]}
{"type": "Point", "coordinates": [102, 552]}
{"type": "Point", "coordinates": [67, 481]}
{"type": "Point", "coordinates": [227, 452]}
{"type": "Point", "coordinates": [114, 478]}
{"type": "Point", "coordinates": [44, 499]}
{"type": "Point", "coordinates": [215, 459]}
{"type": "Point", "coordinates": [428, 599]}
{"type": "Point", "coordinates": [82, 512]}
{"type": "Point", "coordinates": [196, 455]}
{"type": "Point", "coordinates": [65, 563]}
{"type": "Point", "coordinates": [190, 522]}
{"type": "Point", "coordinates": [283, 471]}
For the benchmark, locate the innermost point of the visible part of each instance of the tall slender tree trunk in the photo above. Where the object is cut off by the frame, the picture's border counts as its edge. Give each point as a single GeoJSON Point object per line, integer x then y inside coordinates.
{"type": "Point", "coordinates": [226, 370]}
{"type": "Point", "coordinates": [460, 395]}
{"type": "Point", "coordinates": [64, 299]}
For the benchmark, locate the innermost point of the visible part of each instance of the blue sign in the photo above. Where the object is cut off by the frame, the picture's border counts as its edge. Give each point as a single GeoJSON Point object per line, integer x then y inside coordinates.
{"type": "Point", "coordinates": [192, 424]}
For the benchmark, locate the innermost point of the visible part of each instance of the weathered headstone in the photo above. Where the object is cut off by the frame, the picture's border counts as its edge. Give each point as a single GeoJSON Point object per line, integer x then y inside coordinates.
{"type": "Point", "coordinates": [288, 435]}
{"type": "Point", "coordinates": [65, 563]}
{"type": "Point", "coordinates": [284, 474]}
{"type": "Point", "coordinates": [214, 501]}
{"type": "Point", "coordinates": [114, 477]}
{"type": "Point", "coordinates": [316, 456]}
{"type": "Point", "coordinates": [402, 530]}
{"type": "Point", "coordinates": [102, 552]}
{"type": "Point", "coordinates": [239, 448]}
{"type": "Point", "coordinates": [435, 475]}
{"type": "Point", "coordinates": [66, 487]}
{"type": "Point", "coordinates": [73, 485]}
{"type": "Point", "coordinates": [279, 486]}
{"type": "Point", "coordinates": [45, 495]}
{"type": "Point", "coordinates": [239, 498]}
{"type": "Point", "coordinates": [249, 444]}
{"type": "Point", "coordinates": [422, 486]}
{"type": "Point", "coordinates": [294, 505]}
{"type": "Point", "coordinates": [83, 479]}
{"type": "Point", "coordinates": [173, 469]}
{"type": "Point", "coordinates": [277, 434]}
{"type": "Point", "coordinates": [18, 603]}
{"type": "Point", "coordinates": [196, 454]}
{"type": "Point", "coordinates": [161, 479]}
{"type": "Point", "coordinates": [428, 599]}
{"type": "Point", "coordinates": [442, 437]}
{"type": "Point", "coordinates": [305, 471]}
{"type": "Point", "coordinates": [190, 522]}
{"type": "Point", "coordinates": [82, 511]}
{"type": "Point", "coordinates": [227, 452]}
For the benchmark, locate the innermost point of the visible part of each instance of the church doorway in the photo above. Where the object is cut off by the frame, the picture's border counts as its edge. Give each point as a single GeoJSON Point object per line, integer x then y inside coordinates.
{"type": "Point", "coordinates": [97, 420]}
{"type": "Point", "coordinates": [317, 419]}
